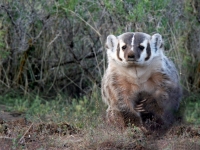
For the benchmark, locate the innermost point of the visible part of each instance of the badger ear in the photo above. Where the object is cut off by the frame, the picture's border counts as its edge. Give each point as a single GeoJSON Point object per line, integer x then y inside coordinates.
{"type": "Point", "coordinates": [111, 42]}
{"type": "Point", "coordinates": [156, 41]}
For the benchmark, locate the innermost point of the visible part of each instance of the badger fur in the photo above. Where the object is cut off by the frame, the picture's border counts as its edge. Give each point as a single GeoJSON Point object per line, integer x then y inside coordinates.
{"type": "Point", "coordinates": [140, 85]}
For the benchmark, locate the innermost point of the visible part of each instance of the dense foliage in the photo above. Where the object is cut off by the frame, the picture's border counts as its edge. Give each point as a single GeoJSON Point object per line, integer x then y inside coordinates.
{"type": "Point", "coordinates": [49, 47]}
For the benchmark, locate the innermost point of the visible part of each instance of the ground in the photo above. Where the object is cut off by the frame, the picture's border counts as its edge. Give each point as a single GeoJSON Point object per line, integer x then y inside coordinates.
{"type": "Point", "coordinates": [18, 133]}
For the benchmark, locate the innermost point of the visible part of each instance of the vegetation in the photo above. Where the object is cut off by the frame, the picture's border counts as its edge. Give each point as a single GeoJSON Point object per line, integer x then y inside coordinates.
{"type": "Point", "coordinates": [52, 57]}
{"type": "Point", "coordinates": [50, 47]}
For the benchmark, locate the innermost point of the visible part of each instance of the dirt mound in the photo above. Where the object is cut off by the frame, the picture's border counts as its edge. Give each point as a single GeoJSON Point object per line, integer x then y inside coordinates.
{"type": "Point", "coordinates": [18, 133]}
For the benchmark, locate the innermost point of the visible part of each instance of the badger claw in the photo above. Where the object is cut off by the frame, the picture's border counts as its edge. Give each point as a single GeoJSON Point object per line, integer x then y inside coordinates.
{"type": "Point", "coordinates": [143, 100]}
{"type": "Point", "coordinates": [140, 109]}
{"type": "Point", "coordinates": [140, 105]}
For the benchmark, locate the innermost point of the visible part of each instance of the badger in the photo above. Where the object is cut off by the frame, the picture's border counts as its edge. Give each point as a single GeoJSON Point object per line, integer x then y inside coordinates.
{"type": "Point", "coordinates": [141, 85]}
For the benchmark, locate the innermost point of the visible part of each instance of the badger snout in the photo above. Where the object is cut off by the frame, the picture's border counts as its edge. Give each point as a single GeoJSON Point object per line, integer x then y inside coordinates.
{"type": "Point", "coordinates": [130, 56]}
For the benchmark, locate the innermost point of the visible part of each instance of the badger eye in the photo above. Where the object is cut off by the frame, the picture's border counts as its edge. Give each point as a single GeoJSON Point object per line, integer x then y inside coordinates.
{"type": "Point", "coordinates": [124, 47]}
{"type": "Point", "coordinates": [141, 47]}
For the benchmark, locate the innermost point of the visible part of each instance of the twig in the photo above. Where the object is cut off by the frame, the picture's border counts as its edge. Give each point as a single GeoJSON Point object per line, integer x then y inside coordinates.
{"type": "Point", "coordinates": [20, 140]}
{"type": "Point", "coordinates": [88, 56]}
{"type": "Point", "coordinates": [84, 21]}
{"type": "Point", "coordinates": [57, 35]}
{"type": "Point", "coordinates": [9, 15]}
{"type": "Point", "coordinates": [5, 137]}
{"type": "Point", "coordinates": [12, 20]}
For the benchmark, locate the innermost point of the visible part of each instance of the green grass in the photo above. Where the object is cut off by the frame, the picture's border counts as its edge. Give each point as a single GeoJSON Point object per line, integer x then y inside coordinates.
{"type": "Point", "coordinates": [84, 113]}
{"type": "Point", "coordinates": [192, 111]}
{"type": "Point", "coordinates": [77, 111]}
{"type": "Point", "coordinates": [81, 112]}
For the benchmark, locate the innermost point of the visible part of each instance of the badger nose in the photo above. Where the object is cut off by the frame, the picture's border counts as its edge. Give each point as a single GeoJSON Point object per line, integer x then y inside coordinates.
{"type": "Point", "coordinates": [131, 56]}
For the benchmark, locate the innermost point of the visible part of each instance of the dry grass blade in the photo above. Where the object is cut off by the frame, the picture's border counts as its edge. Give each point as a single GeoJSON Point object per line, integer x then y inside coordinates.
{"type": "Point", "coordinates": [21, 139]}
{"type": "Point", "coordinates": [85, 22]}
{"type": "Point", "coordinates": [5, 137]}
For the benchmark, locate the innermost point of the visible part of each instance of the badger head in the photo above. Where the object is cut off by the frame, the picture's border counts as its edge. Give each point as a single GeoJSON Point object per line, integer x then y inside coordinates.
{"type": "Point", "coordinates": [134, 48]}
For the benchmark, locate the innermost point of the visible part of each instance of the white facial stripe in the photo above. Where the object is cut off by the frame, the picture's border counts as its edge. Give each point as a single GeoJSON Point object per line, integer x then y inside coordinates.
{"type": "Point", "coordinates": [121, 43]}
{"type": "Point", "coordinates": [121, 52]}
{"type": "Point", "coordinates": [144, 43]}
{"type": "Point", "coordinates": [143, 55]}
{"type": "Point", "coordinates": [132, 43]}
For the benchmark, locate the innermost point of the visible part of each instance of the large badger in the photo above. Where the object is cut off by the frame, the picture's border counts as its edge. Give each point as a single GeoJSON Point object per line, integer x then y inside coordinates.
{"type": "Point", "coordinates": [141, 85]}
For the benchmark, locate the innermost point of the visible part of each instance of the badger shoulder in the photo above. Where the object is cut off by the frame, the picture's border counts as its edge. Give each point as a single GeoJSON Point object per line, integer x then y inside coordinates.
{"type": "Point", "coordinates": [170, 70]}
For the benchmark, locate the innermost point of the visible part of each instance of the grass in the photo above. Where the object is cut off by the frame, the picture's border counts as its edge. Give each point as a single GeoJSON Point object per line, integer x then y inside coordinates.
{"type": "Point", "coordinates": [79, 110]}
{"type": "Point", "coordinates": [62, 108]}
{"type": "Point", "coordinates": [49, 120]}
{"type": "Point", "coordinates": [192, 111]}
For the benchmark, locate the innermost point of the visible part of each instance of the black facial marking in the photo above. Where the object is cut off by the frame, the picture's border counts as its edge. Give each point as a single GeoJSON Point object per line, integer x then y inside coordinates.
{"type": "Point", "coordinates": [156, 43]}
{"type": "Point", "coordinates": [118, 50]}
{"type": "Point", "coordinates": [138, 39]}
{"type": "Point", "coordinates": [128, 38]}
{"type": "Point", "coordinates": [141, 47]}
{"type": "Point", "coordinates": [124, 47]}
{"type": "Point", "coordinates": [148, 49]}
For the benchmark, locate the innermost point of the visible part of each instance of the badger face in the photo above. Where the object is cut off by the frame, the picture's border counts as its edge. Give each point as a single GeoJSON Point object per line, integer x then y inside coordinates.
{"type": "Point", "coordinates": [133, 48]}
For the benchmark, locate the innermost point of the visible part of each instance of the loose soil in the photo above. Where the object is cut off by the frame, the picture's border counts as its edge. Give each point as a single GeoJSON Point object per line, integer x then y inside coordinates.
{"type": "Point", "coordinates": [18, 133]}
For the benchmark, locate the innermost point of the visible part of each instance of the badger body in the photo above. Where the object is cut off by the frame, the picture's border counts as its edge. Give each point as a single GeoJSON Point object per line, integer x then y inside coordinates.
{"type": "Point", "coordinates": [140, 84]}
